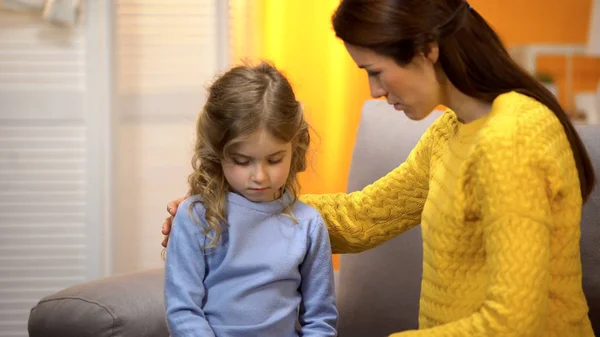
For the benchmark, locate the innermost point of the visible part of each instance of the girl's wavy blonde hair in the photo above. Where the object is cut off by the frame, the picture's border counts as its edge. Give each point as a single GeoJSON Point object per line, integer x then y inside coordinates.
{"type": "Point", "coordinates": [244, 99]}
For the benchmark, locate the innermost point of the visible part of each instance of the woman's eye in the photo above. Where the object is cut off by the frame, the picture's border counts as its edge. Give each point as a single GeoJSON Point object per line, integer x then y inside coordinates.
{"type": "Point", "coordinates": [274, 162]}
{"type": "Point", "coordinates": [373, 73]}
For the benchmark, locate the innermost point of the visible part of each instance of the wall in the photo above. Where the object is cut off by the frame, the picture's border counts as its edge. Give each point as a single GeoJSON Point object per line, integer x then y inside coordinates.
{"type": "Point", "coordinates": [537, 21]}
{"type": "Point", "coordinates": [547, 21]}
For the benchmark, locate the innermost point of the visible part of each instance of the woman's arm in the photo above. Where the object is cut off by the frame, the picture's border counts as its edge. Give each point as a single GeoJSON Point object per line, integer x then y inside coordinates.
{"type": "Point", "coordinates": [393, 204]}
{"type": "Point", "coordinates": [168, 222]}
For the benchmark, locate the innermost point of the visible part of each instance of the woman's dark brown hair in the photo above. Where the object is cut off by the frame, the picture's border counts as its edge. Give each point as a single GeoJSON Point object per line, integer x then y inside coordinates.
{"type": "Point", "coordinates": [471, 53]}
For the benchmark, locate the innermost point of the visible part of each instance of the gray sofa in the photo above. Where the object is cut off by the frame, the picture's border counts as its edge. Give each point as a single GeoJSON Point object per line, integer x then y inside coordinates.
{"type": "Point", "coordinates": [378, 290]}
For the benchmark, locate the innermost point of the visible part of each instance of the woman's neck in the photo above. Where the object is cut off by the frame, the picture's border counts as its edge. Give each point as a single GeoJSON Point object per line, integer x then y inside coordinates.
{"type": "Point", "coordinates": [466, 108]}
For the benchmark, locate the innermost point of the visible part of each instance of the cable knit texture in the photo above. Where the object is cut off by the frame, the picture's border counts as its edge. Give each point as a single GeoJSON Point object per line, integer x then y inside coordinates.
{"type": "Point", "coordinates": [499, 203]}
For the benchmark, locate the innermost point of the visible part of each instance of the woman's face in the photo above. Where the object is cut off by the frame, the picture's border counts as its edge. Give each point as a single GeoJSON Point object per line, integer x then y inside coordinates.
{"type": "Point", "coordinates": [413, 88]}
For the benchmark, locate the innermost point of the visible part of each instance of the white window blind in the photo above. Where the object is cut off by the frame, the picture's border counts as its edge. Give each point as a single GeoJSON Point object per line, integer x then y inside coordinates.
{"type": "Point", "coordinates": [166, 52]}
{"type": "Point", "coordinates": [46, 174]}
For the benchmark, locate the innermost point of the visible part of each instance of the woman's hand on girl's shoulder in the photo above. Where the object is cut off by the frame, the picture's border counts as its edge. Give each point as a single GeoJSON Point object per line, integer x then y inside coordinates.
{"type": "Point", "coordinates": [166, 225]}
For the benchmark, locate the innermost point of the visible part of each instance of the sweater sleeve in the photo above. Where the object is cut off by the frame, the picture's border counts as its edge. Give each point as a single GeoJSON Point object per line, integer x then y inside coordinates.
{"type": "Point", "coordinates": [184, 275]}
{"type": "Point", "coordinates": [393, 204]}
{"type": "Point", "coordinates": [318, 313]}
{"type": "Point", "coordinates": [513, 184]}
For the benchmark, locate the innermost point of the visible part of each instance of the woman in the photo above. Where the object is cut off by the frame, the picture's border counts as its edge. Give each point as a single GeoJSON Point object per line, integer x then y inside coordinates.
{"type": "Point", "coordinates": [497, 182]}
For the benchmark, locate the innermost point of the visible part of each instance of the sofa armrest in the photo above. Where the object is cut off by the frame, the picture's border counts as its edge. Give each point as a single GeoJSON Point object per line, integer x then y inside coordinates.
{"type": "Point", "coordinates": [122, 305]}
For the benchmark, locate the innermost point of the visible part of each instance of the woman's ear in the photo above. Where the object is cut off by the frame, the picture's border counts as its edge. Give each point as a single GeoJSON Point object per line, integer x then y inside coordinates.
{"type": "Point", "coordinates": [433, 54]}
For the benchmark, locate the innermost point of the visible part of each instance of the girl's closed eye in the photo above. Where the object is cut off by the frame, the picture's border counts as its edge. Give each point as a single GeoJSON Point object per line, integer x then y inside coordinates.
{"type": "Point", "coordinates": [247, 162]}
{"type": "Point", "coordinates": [371, 73]}
{"type": "Point", "coordinates": [240, 162]}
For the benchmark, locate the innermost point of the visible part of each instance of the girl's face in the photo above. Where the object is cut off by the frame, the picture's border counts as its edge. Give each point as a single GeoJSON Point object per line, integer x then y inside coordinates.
{"type": "Point", "coordinates": [258, 167]}
{"type": "Point", "coordinates": [413, 88]}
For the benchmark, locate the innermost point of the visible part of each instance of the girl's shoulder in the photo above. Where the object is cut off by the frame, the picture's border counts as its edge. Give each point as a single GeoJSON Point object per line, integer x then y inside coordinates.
{"type": "Point", "coordinates": [191, 208]}
{"type": "Point", "coordinates": [193, 202]}
{"type": "Point", "coordinates": [307, 215]}
{"type": "Point", "coordinates": [304, 211]}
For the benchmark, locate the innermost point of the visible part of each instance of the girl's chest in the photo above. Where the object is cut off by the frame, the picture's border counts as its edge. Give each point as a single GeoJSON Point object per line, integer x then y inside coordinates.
{"type": "Point", "coordinates": [275, 248]}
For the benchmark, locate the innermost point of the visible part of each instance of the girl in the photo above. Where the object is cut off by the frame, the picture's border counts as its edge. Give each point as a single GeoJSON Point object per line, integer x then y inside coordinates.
{"type": "Point", "coordinates": [248, 259]}
{"type": "Point", "coordinates": [497, 183]}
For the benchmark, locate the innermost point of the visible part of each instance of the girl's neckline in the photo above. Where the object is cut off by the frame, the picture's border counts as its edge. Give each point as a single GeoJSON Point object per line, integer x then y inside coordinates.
{"type": "Point", "coordinates": [271, 207]}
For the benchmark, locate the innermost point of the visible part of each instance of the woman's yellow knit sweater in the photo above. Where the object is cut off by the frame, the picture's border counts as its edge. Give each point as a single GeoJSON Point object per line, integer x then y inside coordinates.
{"type": "Point", "coordinates": [499, 203]}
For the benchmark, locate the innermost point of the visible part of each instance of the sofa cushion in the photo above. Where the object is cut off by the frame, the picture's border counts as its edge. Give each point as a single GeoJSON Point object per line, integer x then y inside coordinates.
{"type": "Point", "coordinates": [122, 305]}
{"type": "Point", "coordinates": [590, 229]}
